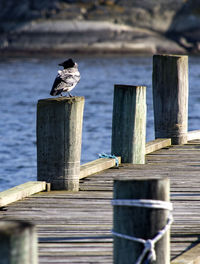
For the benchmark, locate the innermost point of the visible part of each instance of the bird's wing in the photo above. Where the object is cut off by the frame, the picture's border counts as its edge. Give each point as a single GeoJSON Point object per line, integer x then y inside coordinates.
{"type": "Point", "coordinates": [57, 87]}
{"type": "Point", "coordinates": [69, 77]}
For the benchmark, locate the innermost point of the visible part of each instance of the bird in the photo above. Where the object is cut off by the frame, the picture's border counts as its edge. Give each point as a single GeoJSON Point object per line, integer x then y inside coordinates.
{"type": "Point", "coordinates": [66, 79]}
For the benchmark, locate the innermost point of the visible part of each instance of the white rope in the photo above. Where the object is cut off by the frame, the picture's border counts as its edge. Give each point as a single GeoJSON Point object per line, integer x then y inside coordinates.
{"type": "Point", "coordinates": [149, 244]}
{"type": "Point", "coordinates": [155, 204]}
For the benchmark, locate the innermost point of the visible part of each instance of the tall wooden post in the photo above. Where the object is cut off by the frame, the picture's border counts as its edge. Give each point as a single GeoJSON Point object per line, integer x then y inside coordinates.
{"type": "Point", "coordinates": [18, 243]}
{"type": "Point", "coordinates": [140, 222]}
{"type": "Point", "coordinates": [129, 123]}
{"type": "Point", "coordinates": [59, 133]}
{"type": "Point", "coordinates": [170, 97]}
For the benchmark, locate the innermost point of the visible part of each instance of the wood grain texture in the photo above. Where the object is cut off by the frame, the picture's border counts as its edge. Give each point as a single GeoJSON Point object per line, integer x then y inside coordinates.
{"type": "Point", "coordinates": [157, 144]}
{"type": "Point", "coordinates": [59, 134]}
{"type": "Point", "coordinates": [18, 243]}
{"type": "Point", "coordinates": [96, 166]}
{"type": "Point", "coordinates": [75, 227]}
{"type": "Point", "coordinates": [192, 256]}
{"type": "Point", "coordinates": [195, 134]}
{"type": "Point", "coordinates": [21, 191]}
{"type": "Point", "coordinates": [129, 123]}
{"type": "Point", "coordinates": [170, 97]}
{"type": "Point", "coordinates": [140, 222]}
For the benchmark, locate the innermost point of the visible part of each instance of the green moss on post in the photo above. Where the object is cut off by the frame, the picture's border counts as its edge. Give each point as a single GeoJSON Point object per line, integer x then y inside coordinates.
{"type": "Point", "coordinates": [59, 134]}
{"type": "Point", "coordinates": [129, 123]}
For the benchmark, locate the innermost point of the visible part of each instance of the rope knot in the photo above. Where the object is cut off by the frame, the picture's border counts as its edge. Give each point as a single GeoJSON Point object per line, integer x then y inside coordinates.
{"type": "Point", "coordinates": [150, 247]}
{"type": "Point", "coordinates": [104, 155]}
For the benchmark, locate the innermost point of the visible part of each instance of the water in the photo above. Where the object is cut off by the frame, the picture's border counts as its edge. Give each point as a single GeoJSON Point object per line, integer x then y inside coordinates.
{"type": "Point", "coordinates": [25, 80]}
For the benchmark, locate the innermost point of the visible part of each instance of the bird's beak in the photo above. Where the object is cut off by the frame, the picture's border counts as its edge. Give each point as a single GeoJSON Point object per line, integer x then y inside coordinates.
{"type": "Point", "coordinates": [60, 64]}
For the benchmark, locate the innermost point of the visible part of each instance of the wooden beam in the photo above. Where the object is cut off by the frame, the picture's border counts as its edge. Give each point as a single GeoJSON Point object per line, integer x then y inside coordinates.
{"type": "Point", "coordinates": [170, 97]}
{"type": "Point", "coordinates": [139, 222]}
{"type": "Point", "coordinates": [157, 144]}
{"type": "Point", "coordinates": [129, 123]}
{"type": "Point", "coordinates": [21, 191]}
{"type": "Point", "coordinates": [97, 166]}
{"type": "Point", "coordinates": [192, 256]}
{"type": "Point", "coordinates": [194, 134]}
{"type": "Point", "coordinates": [59, 133]}
{"type": "Point", "coordinates": [18, 243]}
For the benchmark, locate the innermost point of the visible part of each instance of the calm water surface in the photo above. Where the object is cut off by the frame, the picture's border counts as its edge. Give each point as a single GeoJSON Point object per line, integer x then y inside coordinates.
{"type": "Point", "coordinates": [26, 80]}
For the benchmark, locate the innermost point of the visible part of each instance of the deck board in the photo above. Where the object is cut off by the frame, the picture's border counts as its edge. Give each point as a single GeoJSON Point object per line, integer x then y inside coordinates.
{"type": "Point", "coordinates": [75, 227]}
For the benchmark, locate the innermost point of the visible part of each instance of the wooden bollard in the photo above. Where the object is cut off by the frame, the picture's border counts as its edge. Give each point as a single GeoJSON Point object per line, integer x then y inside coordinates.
{"type": "Point", "coordinates": [18, 243]}
{"type": "Point", "coordinates": [140, 222]}
{"type": "Point", "coordinates": [170, 97]}
{"type": "Point", "coordinates": [59, 134]}
{"type": "Point", "coordinates": [129, 123]}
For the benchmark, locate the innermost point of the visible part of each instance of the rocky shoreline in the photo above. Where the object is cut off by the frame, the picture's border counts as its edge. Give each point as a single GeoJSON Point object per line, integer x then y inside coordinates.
{"type": "Point", "coordinates": [103, 26]}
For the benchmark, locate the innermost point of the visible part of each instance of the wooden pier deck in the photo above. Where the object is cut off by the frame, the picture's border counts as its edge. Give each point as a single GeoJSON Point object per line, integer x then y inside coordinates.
{"type": "Point", "coordinates": [75, 227]}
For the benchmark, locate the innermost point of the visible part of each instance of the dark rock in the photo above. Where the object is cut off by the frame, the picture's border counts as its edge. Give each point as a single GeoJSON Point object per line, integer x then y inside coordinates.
{"type": "Point", "coordinates": [175, 24]}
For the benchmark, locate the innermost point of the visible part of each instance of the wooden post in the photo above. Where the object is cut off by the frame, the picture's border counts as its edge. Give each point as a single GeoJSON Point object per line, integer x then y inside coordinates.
{"type": "Point", "coordinates": [140, 222]}
{"type": "Point", "coordinates": [18, 243]}
{"type": "Point", "coordinates": [170, 97]}
{"type": "Point", "coordinates": [129, 123]}
{"type": "Point", "coordinates": [59, 133]}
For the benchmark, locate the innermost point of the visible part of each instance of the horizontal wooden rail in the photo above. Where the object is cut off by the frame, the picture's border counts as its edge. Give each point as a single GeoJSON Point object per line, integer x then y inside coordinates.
{"type": "Point", "coordinates": [97, 166]}
{"type": "Point", "coordinates": [157, 144]}
{"type": "Point", "coordinates": [21, 191]}
{"type": "Point", "coordinates": [194, 134]}
{"type": "Point", "coordinates": [192, 256]}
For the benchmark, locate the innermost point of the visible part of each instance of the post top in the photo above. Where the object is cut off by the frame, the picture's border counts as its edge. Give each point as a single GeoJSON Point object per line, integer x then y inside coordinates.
{"type": "Point", "coordinates": [125, 86]}
{"type": "Point", "coordinates": [13, 226]}
{"type": "Point", "coordinates": [170, 56]}
{"type": "Point", "coordinates": [63, 99]}
{"type": "Point", "coordinates": [140, 179]}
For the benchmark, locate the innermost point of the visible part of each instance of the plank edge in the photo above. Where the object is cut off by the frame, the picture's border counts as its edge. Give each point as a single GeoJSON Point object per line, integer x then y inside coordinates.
{"type": "Point", "coordinates": [21, 191]}
{"type": "Point", "coordinates": [157, 144]}
{"type": "Point", "coordinates": [96, 166]}
{"type": "Point", "coordinates": [191, 256]}
{"type": "Point", "coordinates": [194, 134]}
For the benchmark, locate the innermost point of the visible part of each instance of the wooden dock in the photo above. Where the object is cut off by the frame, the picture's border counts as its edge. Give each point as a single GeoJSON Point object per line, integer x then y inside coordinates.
{"type": "Point", "coordinates": [75, 227]}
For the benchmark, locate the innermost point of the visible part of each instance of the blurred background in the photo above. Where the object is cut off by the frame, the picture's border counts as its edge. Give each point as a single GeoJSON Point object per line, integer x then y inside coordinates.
{"type": "Point", "coordinates": [111, 40]}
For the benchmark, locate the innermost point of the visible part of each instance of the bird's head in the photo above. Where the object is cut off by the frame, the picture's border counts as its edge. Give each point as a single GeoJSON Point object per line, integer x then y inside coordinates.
{"type": "Point", "coordinates": [67, 64]}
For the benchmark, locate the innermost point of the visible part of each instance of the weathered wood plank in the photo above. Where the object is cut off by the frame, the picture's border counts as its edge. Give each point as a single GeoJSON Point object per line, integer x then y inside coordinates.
{"type": "Point", "coordinates": [157, 144]}
{"type": "Point", "coordinates": [97, 166]}
{"type": "Point", "coordinates": [21, 191]}
{"type": "Point", "coordinates": [83, 220]}
{"type": "Point", "coordinates": [191, 256]}
{"type": "Point", "coordinates": [192, 135]}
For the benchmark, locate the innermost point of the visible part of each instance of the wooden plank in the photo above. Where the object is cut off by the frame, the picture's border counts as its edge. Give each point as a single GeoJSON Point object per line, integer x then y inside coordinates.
{"type": "Point", "coordinates": [157, 144]}
{"type": "Point", "coordinates": [191, 256]}
{"type": "Point", "coordinates": [77, 222]}
{"type": "Point", "coordinates": [195, 134]}
{"type": "Point", "coordinates": [96, 166]}
{"type": "Point", "coordinates": [21, 191]}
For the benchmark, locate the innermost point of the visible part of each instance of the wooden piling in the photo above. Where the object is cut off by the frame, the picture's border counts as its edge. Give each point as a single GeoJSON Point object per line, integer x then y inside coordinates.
{"type": "Point", "coordinates": [59, 133]}
{"type": "Point", "coordinates": [129, 123]}
{"type": "Point", "coordinates": [18, 243]}
{"type": "Point", "coordinates": [170, 97]}
{"type": "Point", "coordinates": [140, 222]}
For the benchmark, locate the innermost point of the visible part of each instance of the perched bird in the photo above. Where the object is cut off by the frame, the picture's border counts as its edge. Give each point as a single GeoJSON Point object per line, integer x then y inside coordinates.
{"type": "Point", "coordinates": [66, 79]}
